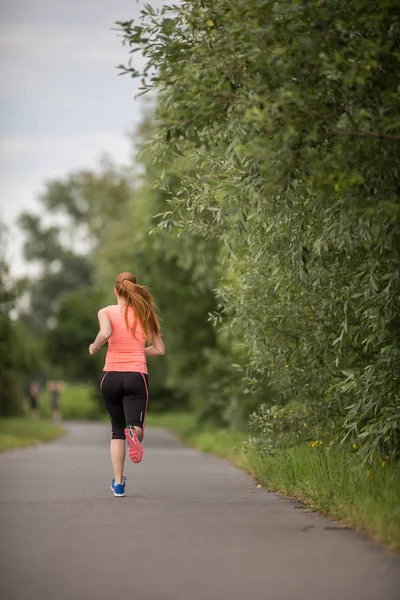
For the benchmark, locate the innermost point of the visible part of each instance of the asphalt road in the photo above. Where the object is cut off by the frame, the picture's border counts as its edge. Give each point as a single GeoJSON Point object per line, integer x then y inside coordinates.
{"type": "Point", "coordinates": [192, 527]}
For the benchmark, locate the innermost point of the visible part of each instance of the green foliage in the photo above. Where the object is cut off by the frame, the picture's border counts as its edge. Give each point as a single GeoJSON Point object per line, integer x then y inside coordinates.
{"type": "Point", "coordinates": [288, 116]}
{"type": "Point", "coordinates": [205, 437]}
{"type": "Point", "coordinates": [81, 207]}
{"type": "Point", "coordinates": [77, 401]}
{"type": "Point", "coordinates": [276, 427]}
{"type": "Point", "coordinates": [63, 299]}
{"type": "Point", "coordinates": [22, 357]}
{"type": "Point", "coordinates": [219, 387]}
{"type": "Point", "coordinates": [8, 368]}
{"type": "Point", "coordinates": [61, 271]}
{"type": "Point", "coordinates": [68, 341]}
{"type": "Point", "coordinates": [21, 354]}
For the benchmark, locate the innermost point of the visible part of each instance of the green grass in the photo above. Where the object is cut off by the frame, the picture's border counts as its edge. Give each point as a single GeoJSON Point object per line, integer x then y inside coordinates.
{"type": "Point", "coordinates": [221, 442]}
{"type": "Point", "coordinates": [77, 401]}
{"type": "Point", "coordinates": [335, 482]}
{"type": "Point", "coordinates": [18, 433]}
{"type": "Point", "coordinates": [329, 480]}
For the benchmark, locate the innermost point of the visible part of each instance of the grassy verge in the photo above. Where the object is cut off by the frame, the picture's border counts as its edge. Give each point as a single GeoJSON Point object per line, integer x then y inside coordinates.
{"type": "Point", "coordinates": [220, 442]}
{"type": "Point", "coordinates": [18, 433]}
{"type": "Point", "coordinates": [329, 480]}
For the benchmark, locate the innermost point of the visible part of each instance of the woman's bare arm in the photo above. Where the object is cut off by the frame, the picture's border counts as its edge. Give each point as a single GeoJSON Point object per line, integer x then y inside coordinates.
{"type": "Point", "coordinates": [104, 333]}
{"type": "Point", "coordinates": [157, 348]}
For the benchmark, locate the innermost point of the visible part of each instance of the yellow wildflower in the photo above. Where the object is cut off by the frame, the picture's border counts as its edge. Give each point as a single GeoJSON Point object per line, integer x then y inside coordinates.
{"type": "Point", "coordinates": [354, 446]}
{"type": "Point", "coordinates": [305, 424]}
{"type": "Point", "coordinates": [210, 23]}
{"type": "Point", "coordinates": [383, 463]}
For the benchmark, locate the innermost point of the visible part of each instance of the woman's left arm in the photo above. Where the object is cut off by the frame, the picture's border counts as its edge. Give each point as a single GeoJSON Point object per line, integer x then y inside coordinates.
{"type": "Point", "coordinates": [104, 333]}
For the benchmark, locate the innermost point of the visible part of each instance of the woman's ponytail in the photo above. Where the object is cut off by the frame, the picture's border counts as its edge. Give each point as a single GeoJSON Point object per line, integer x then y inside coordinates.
{"type": "Point", "coordinates": [141, 300]}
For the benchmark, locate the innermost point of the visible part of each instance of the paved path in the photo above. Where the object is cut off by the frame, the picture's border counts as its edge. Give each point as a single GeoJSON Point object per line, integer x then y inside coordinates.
{"type": "Point", "coordinates": [192, 527]}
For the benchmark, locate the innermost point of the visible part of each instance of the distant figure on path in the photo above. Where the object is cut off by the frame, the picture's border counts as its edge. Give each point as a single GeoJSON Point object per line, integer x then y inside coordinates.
{"type": "Point", "coordinates": [33, 395]}
{"type": "Point", "coordinates": [55, 388]}
{"type": "Point", "coordinates": [127, 326]}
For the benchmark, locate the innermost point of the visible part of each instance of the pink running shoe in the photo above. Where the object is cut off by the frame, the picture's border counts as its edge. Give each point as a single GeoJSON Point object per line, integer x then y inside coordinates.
{"type": "Point", "coordinates": [135, 448]}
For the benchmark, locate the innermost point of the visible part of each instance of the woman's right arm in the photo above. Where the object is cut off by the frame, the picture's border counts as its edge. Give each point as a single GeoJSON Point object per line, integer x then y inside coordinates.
{"type": "Point", "coordinates": [157, 348]}
{"type": "Point", "coordinates": [104, 334]}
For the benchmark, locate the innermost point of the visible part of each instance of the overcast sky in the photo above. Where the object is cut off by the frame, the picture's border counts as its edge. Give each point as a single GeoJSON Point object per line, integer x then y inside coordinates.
{"type": "Point", "coordinates": [62, 103]}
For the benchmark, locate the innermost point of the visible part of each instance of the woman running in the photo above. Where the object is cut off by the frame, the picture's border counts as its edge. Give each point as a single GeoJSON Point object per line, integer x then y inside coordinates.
{"type": "Point", "coordinates": [127, 326]}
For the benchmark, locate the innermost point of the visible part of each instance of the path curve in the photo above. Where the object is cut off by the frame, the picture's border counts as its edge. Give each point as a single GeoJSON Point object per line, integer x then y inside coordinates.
{"type": "Point", "coordinates": [192, 527]}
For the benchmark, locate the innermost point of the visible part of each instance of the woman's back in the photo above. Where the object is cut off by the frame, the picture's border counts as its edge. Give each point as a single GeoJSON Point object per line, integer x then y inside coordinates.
{"type": "Point", "coordinates": [125, 350]}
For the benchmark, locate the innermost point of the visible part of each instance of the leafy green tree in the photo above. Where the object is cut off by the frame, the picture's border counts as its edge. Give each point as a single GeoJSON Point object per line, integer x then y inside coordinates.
{"type": "Point", "coordinates": [81, 208]}
{"type": "Point", "coordinates": [61, 270]}
{"type": "Point", "coordinates": [10, 402]}
{"type": "Point", "coordinates": [67, 342]}
{"type": "Point", "coordinates": [21, 355]}
{"type": "Point", "coordinates": [289, 114]}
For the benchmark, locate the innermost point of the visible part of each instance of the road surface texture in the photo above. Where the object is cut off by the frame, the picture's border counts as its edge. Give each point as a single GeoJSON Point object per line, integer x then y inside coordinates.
{"type": "Point", "coordinates": [192, 527]}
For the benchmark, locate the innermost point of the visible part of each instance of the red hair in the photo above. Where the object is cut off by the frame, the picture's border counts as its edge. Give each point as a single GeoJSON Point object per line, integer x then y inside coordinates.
{"type": "Point", "coordinates": [141, 300]}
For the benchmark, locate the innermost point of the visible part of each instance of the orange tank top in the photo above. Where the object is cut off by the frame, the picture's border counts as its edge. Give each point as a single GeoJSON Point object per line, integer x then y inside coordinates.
{"type": "Point", "coordinates": [125, 351]}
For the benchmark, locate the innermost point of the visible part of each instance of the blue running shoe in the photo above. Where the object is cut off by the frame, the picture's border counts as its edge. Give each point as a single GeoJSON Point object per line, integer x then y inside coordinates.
{"type": "Point", "coordinates": [118, 488]}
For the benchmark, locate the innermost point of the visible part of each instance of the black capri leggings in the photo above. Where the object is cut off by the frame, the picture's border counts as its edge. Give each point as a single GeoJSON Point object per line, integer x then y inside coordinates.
{"type": "Point", "coordinates": [125, 396]}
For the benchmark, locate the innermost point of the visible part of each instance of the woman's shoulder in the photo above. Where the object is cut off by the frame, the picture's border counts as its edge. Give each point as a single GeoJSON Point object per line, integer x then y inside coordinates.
{"type": "Point", "coordinates": [109, 310]}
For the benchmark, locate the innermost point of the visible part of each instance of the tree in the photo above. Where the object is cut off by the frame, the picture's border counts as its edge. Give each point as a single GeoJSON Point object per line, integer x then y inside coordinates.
{"type": "Point", "coordinates": [289, 114]}
{"type": "Point", "coordinates": [82, 206]}
{"type": "Point", "coordinates": [75, 327]}
{"type": "Point", "coordinates": [21, 355]}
